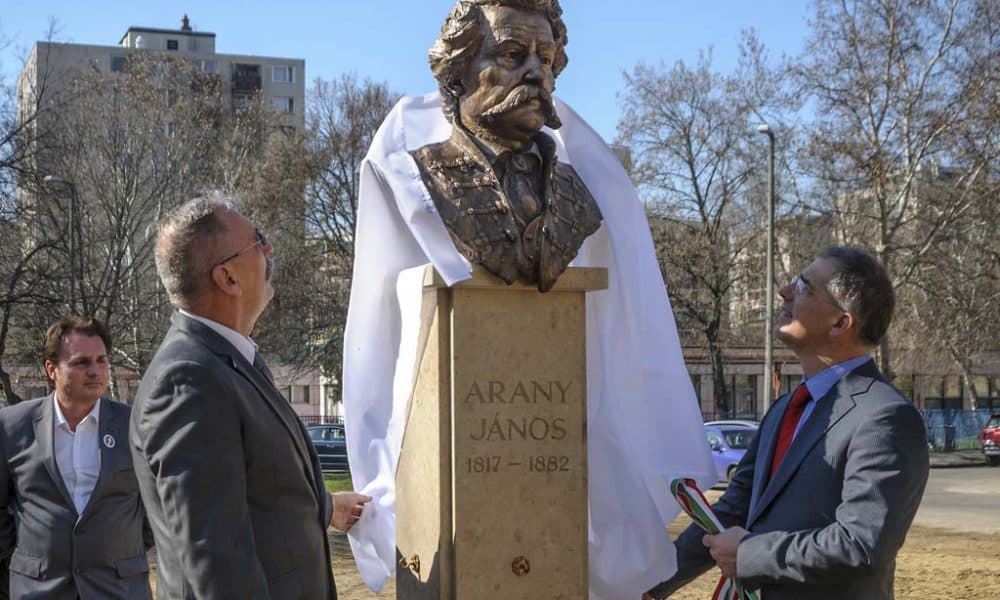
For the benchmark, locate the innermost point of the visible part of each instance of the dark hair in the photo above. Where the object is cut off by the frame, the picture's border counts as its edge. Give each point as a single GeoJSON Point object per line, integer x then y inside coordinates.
{"type": "Point", "coordinates": [462, 34]}
{"type": "Point", "coordinates": [862, 287]}
{"type": "Point", "coordinates": [186, 245]}
{"type": "Point", "coordinates": [61, 329]}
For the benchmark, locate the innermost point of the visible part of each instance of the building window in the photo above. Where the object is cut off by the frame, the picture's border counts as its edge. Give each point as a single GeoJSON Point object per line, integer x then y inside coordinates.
{"type": "Point", "coordinates": [305, 394]}
{"type": "Point", "coordinates": [283, 104]}
{"type": "Point", "coordinates": [283, 74]}
{"type": "Point", "coordinates": [208, 66]}
{"type": "Point", "coordinates": [743, 397]}
{"type": "Point", "coordinates": [242, 101]}
{"type": "Point", "coordinates": [172, 44]}
{"type": "Point", "coordinates": [118, 64]}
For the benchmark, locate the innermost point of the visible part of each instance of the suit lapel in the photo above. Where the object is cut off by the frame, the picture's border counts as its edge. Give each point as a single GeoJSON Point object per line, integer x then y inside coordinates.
{"type": "Point", "coordinates": [829, 411]}
{"type": "Point", "coordinates": [44, 436]}
{"type": "Point", "coordinates": [111, 431]}
{"type": "Point", "coordinates": [278, 404]}
{"type": "Point", "coordinates": [767, 439]}
{"type": "Point", "coordinates": [275, 401]}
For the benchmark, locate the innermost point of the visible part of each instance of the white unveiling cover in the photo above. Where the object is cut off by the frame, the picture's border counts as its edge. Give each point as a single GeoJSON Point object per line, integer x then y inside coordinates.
{"type": "Point", "coordinates": [644, 422]}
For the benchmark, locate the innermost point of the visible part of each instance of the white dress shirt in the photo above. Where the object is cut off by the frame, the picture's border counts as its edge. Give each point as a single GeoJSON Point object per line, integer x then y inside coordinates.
{"type": "Point", "coordinates": [244, 345]}
{"type": "Point", "coordinates": [78, 454]}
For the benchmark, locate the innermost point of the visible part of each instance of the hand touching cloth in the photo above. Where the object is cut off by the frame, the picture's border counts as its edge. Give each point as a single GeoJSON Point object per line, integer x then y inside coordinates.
{"type": "Point", "coordinates": [347, 509]}
{"type": "Point", "coordinates": [722, 542]}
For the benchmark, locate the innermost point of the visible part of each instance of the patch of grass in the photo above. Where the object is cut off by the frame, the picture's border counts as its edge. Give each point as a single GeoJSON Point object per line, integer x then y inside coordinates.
{"type": "Point", "coordinates": [338, 482]}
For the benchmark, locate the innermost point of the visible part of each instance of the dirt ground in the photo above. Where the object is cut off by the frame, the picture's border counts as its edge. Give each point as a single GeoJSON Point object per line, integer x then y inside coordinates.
{"type": "Point", "coordinates": [933, 564]}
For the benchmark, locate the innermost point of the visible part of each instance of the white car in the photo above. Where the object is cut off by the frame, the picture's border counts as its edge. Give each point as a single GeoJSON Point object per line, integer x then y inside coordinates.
{"type": "Point", "coordinates": [734, 423]}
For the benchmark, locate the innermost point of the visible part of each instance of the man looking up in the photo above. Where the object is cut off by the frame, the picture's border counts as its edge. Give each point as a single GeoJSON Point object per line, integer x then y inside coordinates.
{"type": "Point", "coordinates": [822, 500]}
{"type": "Point", "coordinates": [231, 482]}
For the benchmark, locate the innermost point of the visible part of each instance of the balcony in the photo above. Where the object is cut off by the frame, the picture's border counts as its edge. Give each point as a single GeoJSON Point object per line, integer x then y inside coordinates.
{"type": "Point", "coordinates": [246, 83]}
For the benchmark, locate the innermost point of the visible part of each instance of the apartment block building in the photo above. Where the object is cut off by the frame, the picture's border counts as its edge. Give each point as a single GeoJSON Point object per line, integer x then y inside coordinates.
{"type": "Point", "coordinates": [240, 80]}
{"type": "Point", "coordinates": [279, 81]}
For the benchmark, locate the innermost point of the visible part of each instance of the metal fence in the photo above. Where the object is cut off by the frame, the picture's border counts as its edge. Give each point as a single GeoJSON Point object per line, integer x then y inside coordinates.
{"type": "Point", "coordinates": [949, 430]}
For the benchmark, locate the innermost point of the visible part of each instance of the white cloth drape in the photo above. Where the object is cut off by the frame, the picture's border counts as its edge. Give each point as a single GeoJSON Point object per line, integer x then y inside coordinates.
{"type": "Point", "coordinates": [644, 421]}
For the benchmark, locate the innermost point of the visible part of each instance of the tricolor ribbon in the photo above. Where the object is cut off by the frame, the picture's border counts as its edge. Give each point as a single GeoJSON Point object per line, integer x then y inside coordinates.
{"type": "Point", "coordinates": [696, 506]}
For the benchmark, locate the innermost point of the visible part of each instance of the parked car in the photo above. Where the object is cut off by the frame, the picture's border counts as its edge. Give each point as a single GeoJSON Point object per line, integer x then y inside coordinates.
{"type": "Point", "coordinates": [734, 423]}
{"type": "Point", "coordinates": [331, 446]}
{"type": "Point", "coordinates": [729, 444]}
{"type": "Point", "coordinates": [989, 437]}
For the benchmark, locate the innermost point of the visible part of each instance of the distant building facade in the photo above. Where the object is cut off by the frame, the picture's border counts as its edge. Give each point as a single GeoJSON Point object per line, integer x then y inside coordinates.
{"type": "Point", "coordinates": [279, 81]}
{"type": "Point", "coordinates": [239, 79]}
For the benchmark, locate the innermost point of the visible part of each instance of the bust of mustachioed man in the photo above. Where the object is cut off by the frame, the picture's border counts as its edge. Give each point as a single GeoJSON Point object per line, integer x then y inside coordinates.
{"type": "Point", "coordinates": [507, 201]}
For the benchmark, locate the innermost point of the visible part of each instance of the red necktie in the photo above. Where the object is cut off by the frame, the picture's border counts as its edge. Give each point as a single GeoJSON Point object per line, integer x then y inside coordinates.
{"type": "Point", "coordinates": [793, 414]}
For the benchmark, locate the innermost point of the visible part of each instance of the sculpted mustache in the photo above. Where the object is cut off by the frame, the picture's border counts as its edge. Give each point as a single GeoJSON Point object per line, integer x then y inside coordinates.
{"type": "Point", "coordinates": [519, 96]}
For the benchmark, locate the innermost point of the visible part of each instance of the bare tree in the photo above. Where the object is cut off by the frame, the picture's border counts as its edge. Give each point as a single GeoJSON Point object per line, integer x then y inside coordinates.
{"type": "Point", "coordinates": [128, 148]}
{"type": "Point", "coordinates": [121, 150]}
{"type": "Point", "coordinates": [697, 161]}
{"type": "Point", "coordinates": [341, 120]}
{"type": "Point", "coordinates": [955, 299]}
{"type": "Point", "coordinates": [28, 263]}
{"type": "Point", "coordinates": [899, 88]}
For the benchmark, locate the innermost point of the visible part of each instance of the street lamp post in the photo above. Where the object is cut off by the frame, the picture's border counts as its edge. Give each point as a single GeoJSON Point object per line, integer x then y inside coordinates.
{"type": "Point", "coordinates": [73, 246]}
{"type": "Point", "coordinates": [769, 285]}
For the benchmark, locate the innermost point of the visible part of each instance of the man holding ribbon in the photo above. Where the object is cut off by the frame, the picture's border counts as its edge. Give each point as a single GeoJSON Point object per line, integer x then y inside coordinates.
{"type": "Point", "coordinates": [821, 502]}
{"type": "Point", "coordinates": [71, 521]}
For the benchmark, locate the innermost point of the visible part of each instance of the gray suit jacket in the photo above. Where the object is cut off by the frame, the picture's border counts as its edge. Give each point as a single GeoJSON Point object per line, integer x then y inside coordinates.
{"type": "Point", "coordinates": [54, 552]}
{"type": "Point", "coordinates": [231, 483]}
{"type": "Point", "coordinates": [830, 523]}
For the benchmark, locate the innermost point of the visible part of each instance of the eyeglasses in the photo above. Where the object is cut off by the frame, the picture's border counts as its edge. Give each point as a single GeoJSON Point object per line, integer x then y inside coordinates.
{"type": "Point", "coordinates": [801, 285]}
{"type": "Point", "coordinates": [261, 241]}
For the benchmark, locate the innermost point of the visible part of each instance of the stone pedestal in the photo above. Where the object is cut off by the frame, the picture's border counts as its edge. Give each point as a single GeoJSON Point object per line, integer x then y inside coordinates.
{"type": "Point", "coordinates": [491, 488]}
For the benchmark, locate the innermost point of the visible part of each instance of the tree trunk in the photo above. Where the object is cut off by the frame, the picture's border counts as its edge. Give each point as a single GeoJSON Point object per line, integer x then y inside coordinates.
{"type": "Point", "coordinates": [963, 367]}
{"type": "Point", "coordinates": [718, 377]}
{"type": "Point", "coordinates": [8, 389]}
{"type": "Point", "coordinates": [885, 364]}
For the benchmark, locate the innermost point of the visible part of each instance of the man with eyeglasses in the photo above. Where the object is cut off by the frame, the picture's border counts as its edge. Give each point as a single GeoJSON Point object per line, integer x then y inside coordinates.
{"type": "Point", "coordinates": [821, 502]}
{"type": "Point", "coordinates": [231, 483]}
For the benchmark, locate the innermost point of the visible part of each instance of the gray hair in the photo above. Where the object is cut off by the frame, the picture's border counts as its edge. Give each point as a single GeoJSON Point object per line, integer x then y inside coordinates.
{"type": "Point", "coordinates": [862, 288]}
{"type": "Point", "coordinates": [460, 39]}
{"type": "Point", "coordinates": [187, 243]}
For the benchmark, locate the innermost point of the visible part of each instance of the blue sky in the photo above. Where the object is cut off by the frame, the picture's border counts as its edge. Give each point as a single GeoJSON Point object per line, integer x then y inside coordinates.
{"type": "Point", "coordinates": [387, 40]}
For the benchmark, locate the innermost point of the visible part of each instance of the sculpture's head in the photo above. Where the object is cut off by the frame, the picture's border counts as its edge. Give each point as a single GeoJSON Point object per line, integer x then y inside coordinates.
{"type": "Point", "coordinates": [496, 62]}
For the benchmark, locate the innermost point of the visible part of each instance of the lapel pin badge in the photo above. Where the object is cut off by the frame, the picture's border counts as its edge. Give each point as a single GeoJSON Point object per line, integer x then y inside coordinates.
{"type": "Point", "coordinates": [109, 441]}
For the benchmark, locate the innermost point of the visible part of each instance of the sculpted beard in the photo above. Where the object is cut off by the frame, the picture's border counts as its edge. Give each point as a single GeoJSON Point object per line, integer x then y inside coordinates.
{"type": "Point", "coordinates": [521, 95]}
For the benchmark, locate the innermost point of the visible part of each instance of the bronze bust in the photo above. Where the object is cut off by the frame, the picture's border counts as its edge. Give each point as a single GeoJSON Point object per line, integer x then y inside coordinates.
{"type": "Point", "coordinates": [507, 201]}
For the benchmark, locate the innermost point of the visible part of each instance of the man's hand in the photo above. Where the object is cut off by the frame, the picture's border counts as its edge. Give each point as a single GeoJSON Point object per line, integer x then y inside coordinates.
{"type": "Point", "coordinates": [347, 507]}
{"type": "Point", "coordinates": [723, 548]}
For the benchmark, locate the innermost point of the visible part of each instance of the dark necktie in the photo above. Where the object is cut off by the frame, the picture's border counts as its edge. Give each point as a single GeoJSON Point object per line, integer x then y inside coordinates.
{"type": "Point", "coordinates": [520, 182]}
{"type": "Point", "coordinates": [260, 365]}
{"type": "Point", "coordinates": [793, 414]}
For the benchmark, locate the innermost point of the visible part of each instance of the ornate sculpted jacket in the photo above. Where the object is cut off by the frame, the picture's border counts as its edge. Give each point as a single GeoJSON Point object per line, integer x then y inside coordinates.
{"type": "Point", "coordinates": [531, 236]}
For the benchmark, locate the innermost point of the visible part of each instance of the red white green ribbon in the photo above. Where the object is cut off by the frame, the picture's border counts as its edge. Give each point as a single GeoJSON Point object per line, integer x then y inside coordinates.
{"type": "Point", "coordinates": [693, 502]}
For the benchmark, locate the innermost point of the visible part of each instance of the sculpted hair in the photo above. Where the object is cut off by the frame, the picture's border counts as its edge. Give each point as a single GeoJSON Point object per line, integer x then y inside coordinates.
{"type": "Point", "coordinates": [186, 246]}
{"type": "Point", "coordinates": [862, 287]}
{"type": "Point", "coordinates": [61, 329]}
{"type": "Point", "coordinates": [462, 34]}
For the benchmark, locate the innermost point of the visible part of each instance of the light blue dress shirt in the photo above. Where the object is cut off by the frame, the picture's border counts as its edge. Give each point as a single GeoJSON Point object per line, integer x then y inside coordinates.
{"type": "Point", "coordinates": [822, 382]}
